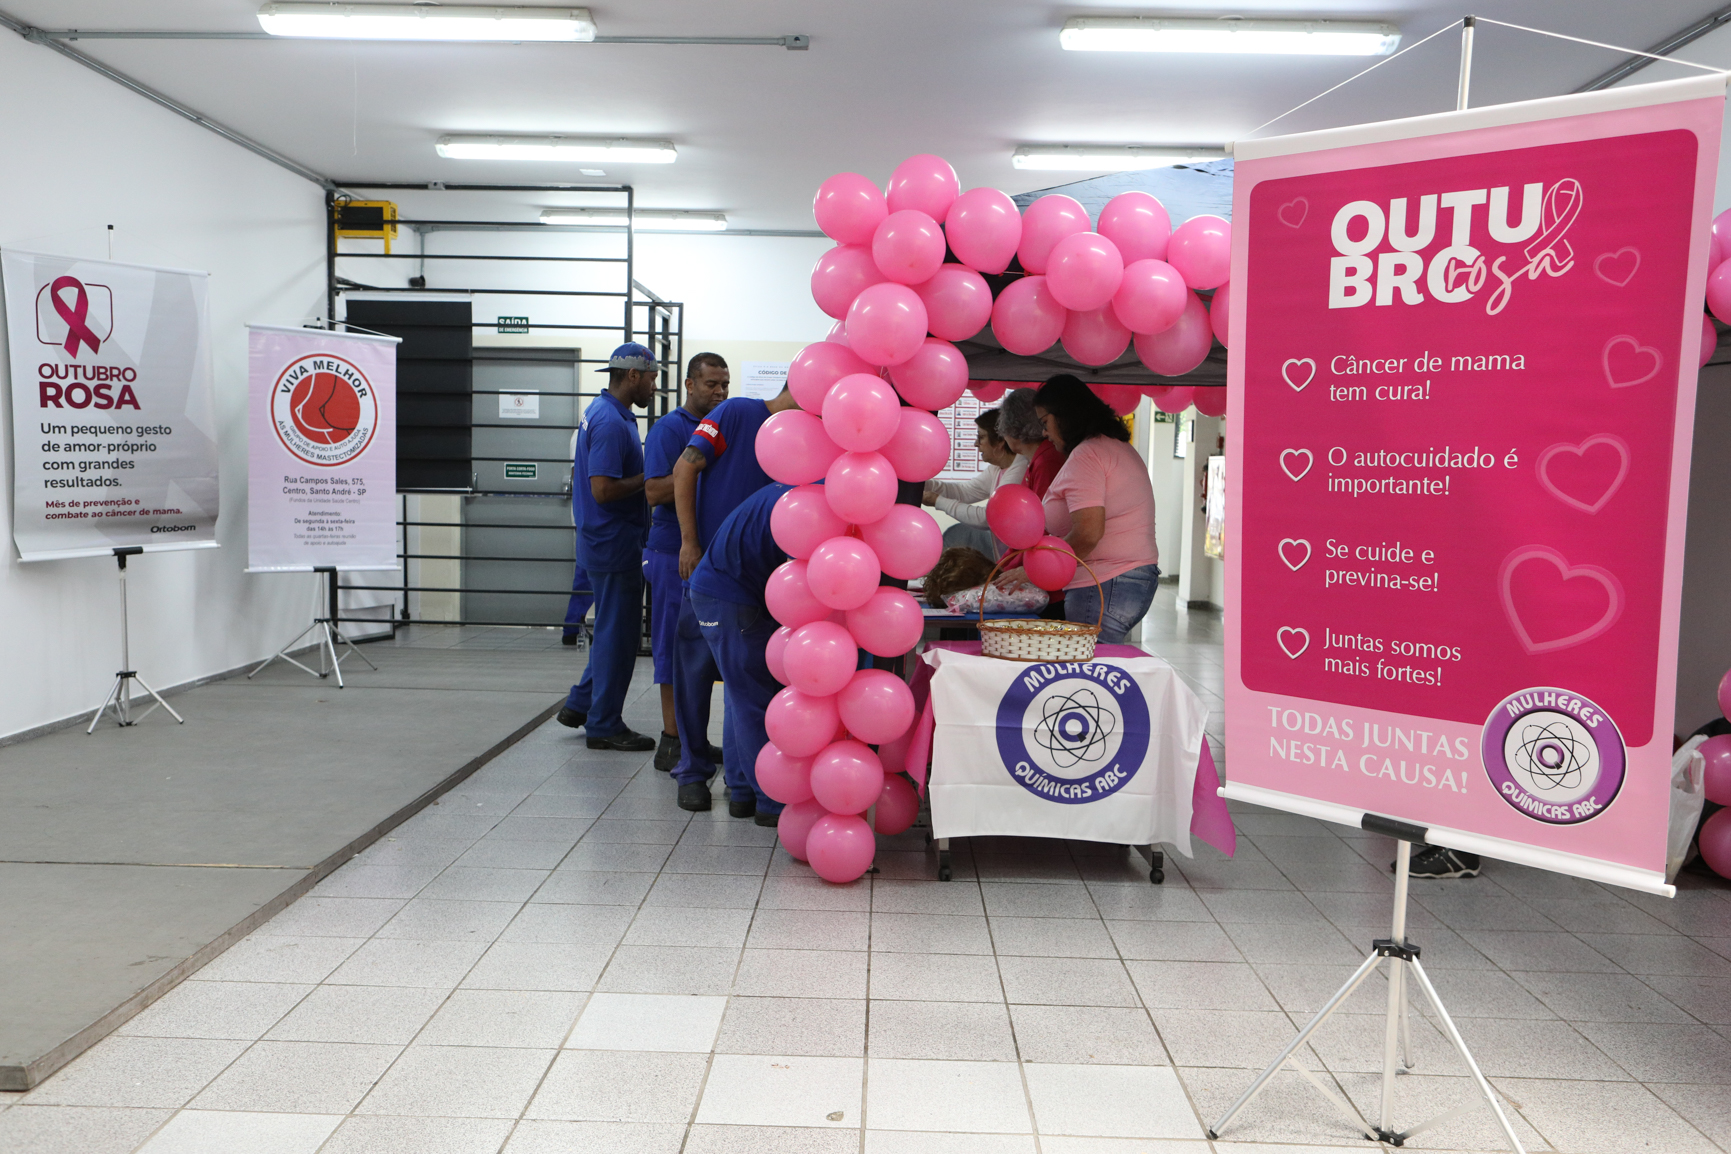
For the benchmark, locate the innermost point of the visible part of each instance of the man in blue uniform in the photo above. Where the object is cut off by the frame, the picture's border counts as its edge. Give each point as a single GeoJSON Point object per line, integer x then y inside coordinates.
{"type": "Point", "coordinates": [717, 471]}
{"type": "Point", "coordinates": [706, 382]}
{"type": "Point", "coordinates": [726, 600]}
{"type": "Point", "coordinates": [612, 521]}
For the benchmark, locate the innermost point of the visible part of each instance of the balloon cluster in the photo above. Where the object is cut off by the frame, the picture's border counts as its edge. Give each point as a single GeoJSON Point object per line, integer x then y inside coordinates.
{"type": "Point", "coordinates": [1715, 836]}
{"type": "Point", "coordinates": [1718, 283]}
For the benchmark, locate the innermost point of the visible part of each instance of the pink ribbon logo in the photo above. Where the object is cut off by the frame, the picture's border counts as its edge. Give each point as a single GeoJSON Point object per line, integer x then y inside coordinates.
{"type": "Point", "coordinates": [1550, 252]}
{"type": "Point", "coordinates": [77, 330]}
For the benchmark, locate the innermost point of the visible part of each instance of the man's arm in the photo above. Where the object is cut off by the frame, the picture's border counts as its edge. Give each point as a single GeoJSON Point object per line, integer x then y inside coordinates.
{"type": "Point", "coordinates": [615, 488]}
{"type": "Point", "coordinates": [685, 470]}
{"type": "Point", "coordinates": [659, 490]}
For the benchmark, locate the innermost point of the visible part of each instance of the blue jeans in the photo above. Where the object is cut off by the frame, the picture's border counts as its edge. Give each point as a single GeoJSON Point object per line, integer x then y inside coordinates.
{"type": "Point", "coordinates": [578, 607]}
{"type": "Point", "coordinates": [1127, 597]}
{"type": "Point", "coordinates": [613, 656]}
{"type": "Point", "coordinates": [738, 635]}
{"type": "Point", "coordinates": [694, 678]}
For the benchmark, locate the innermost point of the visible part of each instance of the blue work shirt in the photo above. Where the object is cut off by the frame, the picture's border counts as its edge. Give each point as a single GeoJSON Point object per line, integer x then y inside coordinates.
{"type": "Point", "coordinates": [743, 552]}
{"type": "Point", "coordinates": [727, 438]}
{"type": "Point", "coordinates": [609, 534]}
{"type": "Point", "coordinates": [666, 440]}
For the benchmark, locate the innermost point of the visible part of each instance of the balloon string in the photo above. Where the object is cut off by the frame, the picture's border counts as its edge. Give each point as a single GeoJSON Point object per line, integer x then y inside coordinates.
{"type": "Point", "coordinates": [1354, 76]}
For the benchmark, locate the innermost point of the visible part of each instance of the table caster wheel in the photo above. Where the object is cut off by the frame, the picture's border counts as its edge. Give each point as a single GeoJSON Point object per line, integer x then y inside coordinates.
{"type": "Point", "coordinates": [1157, 876]}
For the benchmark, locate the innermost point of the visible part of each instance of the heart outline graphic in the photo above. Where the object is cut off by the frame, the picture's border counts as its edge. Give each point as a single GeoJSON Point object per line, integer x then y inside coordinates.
{"type": "Point", "coordinates": [1286, 375]}
{"type": "Point", "coordinates": [1580, 450]}
{"type": "Point", "coordinates": [1599, 265]}
{"type": "Point", "coordinates": [1281, 549]}
{"type": "Point", "coordinates": [1303, 207]}
{"type": "Point", "coordinates": [1606, 579]}
{"type": "Point", "coordinates": [1280, 640]}
{"type": "Point", "coordinates": [1309, 462]}
{"type": "Point", "coordinates": [1649, 350]}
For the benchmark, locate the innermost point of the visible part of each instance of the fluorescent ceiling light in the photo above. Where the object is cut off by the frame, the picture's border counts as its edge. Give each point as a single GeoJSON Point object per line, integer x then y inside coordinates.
{"type": "Point", "coordinates": [589, 148]}
{"type": "Point", "coordinates": [1105, 157]}
{"type": "Point", "coordinates": [651, 218]}
{"type": "Point", "coordinates": [425, 22]}
{"type": "Point", "coordinates": [1294, 37]}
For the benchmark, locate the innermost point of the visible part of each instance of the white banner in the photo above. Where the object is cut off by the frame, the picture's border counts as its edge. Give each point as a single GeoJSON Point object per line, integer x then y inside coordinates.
{"type": "Point", "coordinates": [322, 450]}
{"type": "Point", "coordinates": [113, 415]}
{"type": "Point", "coordinates": [1104, 750]}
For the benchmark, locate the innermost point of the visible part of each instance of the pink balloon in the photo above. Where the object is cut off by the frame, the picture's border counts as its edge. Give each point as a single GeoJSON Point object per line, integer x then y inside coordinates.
{"type": "Point", "coordinates": [802, 520]}
{"type": "Point", "coordinates": [1717, 751]}
{"type": "Point", "coordinates": [788, 596]}
{"type": "Point", "coordinates": [861, 412]}
{"type": "Point", "coordinates": [820, 659]}
{"type": "Point", "coordinates": [1210, 402]}
{"type": "Point", "coordinates": [1015, 516]}
{"type": "Point", "coordinates": [1083, 271]}
{"type": "Point", "coordinates": [860, 487]}
{"type": "Point", "coordinates": [1151, 297]}
{"type": "Point", "coordinates": [848, 207]}
{"type": "Point", "coordinates": [906, 540]}
{"type": "Point", "coordinates": [1175, 399]}
{"type": "Point", "coordinates": [786, 779]}
{"type": "Point", "coordinates": [1121, 399]}
{"type": "Point", "coordinates": [1201, 251]}
{"type": "Point", "coordinates": [984, 227]}
{"type": "Point", "coordinates": [988, 391]}
{"type": "Point", "coordinates": [838, 334]}
{"type": "Point", "coordinates": [958, 302]}
{"type": "Point", "coordinates": [1715, 841]}
{"type": "Point", "coordinates": [933, 377]}
{"type": "Point", "coordinates": [1725, 694]}
{"type": "Point", "coordinates": [1095, 337]}
{"type": "Point", "coordinates": [897, 805]}
{"type": "Point", "coordinates": [1182, 347]}
{"type": "Point", "coordinates": [793, 447]}
{"type": "Point", "coordinates": [773, 652]}
{"type": "Point", "coordinates": [840, 847]}
{"type": "Point", "coordinates": [1220, 312]}
{"type": "Point", "coordinates": [840, 275]}
{"type": "Point", "coordinates": [1026, 317]}
{"type": "Point", "coordinates": [886, 324]}
{"type": "Point", "coordinates": [816, 368]}
{"type": "Point", "coordinates": [921, 447]}
{"type": "Point", "coordinates": [1050, 564]}
{"type": "Point", "coordinates": [889, 624]}
{"type": "Point", "coordinates": [799, 723]}
{"type": "Point", "coordinates": [846, 777]}
{"type": "Point", "coordinates": [1709, 339]}
{"type": "Point", "coordinates": [843, 573]}
{"type": "Point", "coordinates": [876, 706]}
{"type": "Point", "coordinates": [908, 247]}
{"type": "Point", "coordinates": [794, 827]}
{"type": "Point", "coordinates": [1046, 222]}
{"type": "Point", "coordinates": [1721, 233]}
{"type": "Point", "coordinates": [1138, 224]}
{"type": "Point", "coordinates": [1719, 291]}
{"type": "Point", "coordinates": [924, 183]}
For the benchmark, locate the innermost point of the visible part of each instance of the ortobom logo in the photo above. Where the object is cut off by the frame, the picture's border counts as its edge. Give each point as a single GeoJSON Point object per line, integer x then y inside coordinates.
{"type": "Point", "coordinates": [83, 318]}
{"type": "Point", "coordinates": [324, 410]}
{"type": "Point", "coordinates": [1086, 728]}
{"type": "Point", "coordinates": [1554, 755]}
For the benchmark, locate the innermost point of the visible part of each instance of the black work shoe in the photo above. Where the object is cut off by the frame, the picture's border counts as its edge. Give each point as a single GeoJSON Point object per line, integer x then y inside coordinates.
{"type": "Point", "coordinates": [667, 753]}
{"type": "Point", "coordinates": [745, 808]}
{"type": "Point", "coordinates": [570, 717]}
{"type": "Point", "coordinates": [715, 756]}
{"type": "Point", "coordinates": [1434, 861]}
{"type": "Point", "coordinates": [694, 796]}
{"type": "Point", "coordinates": [768, 819]}
{"type": "Point", "coordinates": [625, 741]}
{"type": "Point", "coordinates": [568, 639]}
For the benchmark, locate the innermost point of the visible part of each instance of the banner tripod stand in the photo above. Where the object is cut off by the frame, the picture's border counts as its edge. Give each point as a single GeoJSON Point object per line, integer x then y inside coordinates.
{"type": "Point", "coordinates": [1401, 955]}
{"type": "Point", "coordinates": [120, 697]}
{"type": "Point", "coordinates": [329, 628]}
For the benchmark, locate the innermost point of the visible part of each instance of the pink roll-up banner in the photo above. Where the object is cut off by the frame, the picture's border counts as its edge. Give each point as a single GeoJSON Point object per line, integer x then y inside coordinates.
{"type": "Point", "coordinates": [1461, 397]}
{"type": "Point", "coordinates": [322, 450]}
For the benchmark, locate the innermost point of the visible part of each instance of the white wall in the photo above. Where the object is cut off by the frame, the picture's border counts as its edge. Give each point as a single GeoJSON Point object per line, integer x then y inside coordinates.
{"type": "Point", "coordinates": [83, 153]}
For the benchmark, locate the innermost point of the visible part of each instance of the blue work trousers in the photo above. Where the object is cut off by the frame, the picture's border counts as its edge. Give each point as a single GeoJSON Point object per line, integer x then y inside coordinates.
{"type": "Point", "coordinates": [581, 599]}
{"type": "Point", "coordinates": [613, 655]}
{"type": "Point", "coordinates": [694, 678]}
{"type": "Point", "coordinates": [738, 637]}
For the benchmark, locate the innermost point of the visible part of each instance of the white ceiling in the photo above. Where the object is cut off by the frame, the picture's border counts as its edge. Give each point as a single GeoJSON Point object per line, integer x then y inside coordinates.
{"type": "Point", "coordinates": [759, 127]}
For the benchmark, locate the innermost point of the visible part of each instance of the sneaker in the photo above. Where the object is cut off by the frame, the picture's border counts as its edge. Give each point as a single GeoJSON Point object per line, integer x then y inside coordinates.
{"type": "Point", "coordinates": [694, 796]}
{"type": "Point", "coordinates": [625, 741]}
{"type": "Point", "coordinates": [570, 717]}
{"type": "Point", "coordinates": [746, 808]}
{"type": "Point", "coordinates": [1434, 861]}
{"type": "Point", "coordinates": [767, 819]}
{"type": "Point", "coordinates": [667, 753]}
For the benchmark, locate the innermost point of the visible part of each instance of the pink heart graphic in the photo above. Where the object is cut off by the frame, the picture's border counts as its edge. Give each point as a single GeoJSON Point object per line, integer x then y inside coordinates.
{"type": "Point", "coordinates": [1548, 599]}
{"type": "Point", "coordinates": [1309, 460]}
{"type": "Point", "coordinates": [1590, 474]}
{"type": "Point", "coordinates": [1293, 212]}
{"type": "Point", "coordinates": [1286, 646]}
{"type": "Point", "coordinates": [1618, 267]}
{"type": "Point", "coordinates": [1296, 362]}
{"type": "Point", "coordinates": [1295, 566]}
{"type": "Point", "coordinates": [1623, 358]}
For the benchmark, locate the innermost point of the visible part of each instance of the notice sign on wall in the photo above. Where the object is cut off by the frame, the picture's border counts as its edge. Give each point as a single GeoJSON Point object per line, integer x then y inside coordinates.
{"type": "Point", "coordinates": [1462, 395]}
{"type": "Point", "coordinates": [113, 423]}
{"type": "Point", "coordinates": [322, 446]}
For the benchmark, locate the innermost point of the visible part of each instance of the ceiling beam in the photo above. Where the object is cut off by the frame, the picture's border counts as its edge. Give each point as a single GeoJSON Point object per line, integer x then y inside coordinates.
{"type": "Point", "coordinates": [1713, 20]}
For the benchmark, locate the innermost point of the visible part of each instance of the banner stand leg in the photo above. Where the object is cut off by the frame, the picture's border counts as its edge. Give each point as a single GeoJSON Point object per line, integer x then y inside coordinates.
{"type": "Point", "coordinates": [120, 697]}
{"type": "Point", "coordinates": [1400, 954]}
{"type": "Point", "coordinates": [329, 629]}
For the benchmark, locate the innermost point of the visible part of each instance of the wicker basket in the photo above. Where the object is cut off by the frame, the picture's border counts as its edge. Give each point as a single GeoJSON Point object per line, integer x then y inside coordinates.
{"type": "Point", "coordinates": [1035, 638]}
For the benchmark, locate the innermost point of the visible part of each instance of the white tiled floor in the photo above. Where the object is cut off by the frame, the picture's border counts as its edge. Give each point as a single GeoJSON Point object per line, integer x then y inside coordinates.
{"type": "Point", "coordinates": [556, 959]}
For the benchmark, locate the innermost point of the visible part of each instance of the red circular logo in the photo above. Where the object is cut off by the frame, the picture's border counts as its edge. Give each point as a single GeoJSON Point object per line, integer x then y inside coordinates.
{"type": "Point", "coordinates": [324, 410]}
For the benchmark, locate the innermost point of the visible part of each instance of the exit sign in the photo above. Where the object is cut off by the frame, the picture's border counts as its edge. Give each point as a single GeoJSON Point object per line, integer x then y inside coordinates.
{"type": "Point", "coordinates": [513, 324]}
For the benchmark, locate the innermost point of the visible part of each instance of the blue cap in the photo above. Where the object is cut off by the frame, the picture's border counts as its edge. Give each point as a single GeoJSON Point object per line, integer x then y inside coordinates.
{"type": "Point", "coordinates": [630, 355]}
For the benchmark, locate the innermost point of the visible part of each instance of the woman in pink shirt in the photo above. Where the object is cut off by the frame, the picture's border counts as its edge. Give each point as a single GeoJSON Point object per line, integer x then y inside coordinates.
{"type": "Point", "coordinates": [1102, 504]}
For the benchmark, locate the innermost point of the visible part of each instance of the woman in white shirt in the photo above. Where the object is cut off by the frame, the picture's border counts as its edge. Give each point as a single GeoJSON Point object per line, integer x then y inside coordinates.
{"type": "Point", "coordinates": [966, 500]}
